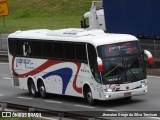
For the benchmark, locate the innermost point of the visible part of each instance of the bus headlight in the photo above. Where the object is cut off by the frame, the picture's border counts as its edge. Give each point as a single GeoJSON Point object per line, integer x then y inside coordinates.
{"type": "Point", "coordinates": [112, 89]}
{"type": "Point", "coordinates": [143, 83]}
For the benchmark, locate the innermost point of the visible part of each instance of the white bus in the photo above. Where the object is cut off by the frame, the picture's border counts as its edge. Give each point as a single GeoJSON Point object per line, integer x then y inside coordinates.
{"type": "Point", "coordinates": [78, 62]}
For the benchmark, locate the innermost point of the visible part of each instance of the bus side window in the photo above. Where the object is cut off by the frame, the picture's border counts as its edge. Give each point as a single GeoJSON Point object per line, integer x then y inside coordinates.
{"type": "Point", "coordinates": [81, 53]}
{"type": "Point", "coordinates": [47, 49]}
{"type": "Point", "coordinates": [36, 49]}
{"type": "Point", "coordinates": [93, 62]}
{"type": "Point", "coordinates": [69, 49]}
{"type": "Point", "coordinates": [11, 43]}
{"type": "Point", "coordinates": [58, 50]}
{"type": "Point", "coordinates": [18, 48]}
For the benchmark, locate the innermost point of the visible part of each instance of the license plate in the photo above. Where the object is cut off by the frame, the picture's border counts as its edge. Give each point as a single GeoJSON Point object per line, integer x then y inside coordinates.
{"type": "Point", "coordinates": [127, 94]}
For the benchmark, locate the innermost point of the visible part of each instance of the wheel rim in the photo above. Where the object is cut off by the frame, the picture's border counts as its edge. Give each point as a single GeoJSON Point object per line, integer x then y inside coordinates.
{"type": "Point", "coordinates": [89, 96]}
{"type": "Point", "coordinates": [33, 89]}
{"type": "Point", "coordinates": [42, 90]}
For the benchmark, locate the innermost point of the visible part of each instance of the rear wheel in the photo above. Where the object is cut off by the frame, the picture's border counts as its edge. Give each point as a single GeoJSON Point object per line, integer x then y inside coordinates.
{"type": "Point", "coordinates": [89, 97]}
{"type": "Point", "coordinates": [32, 89]}
{"type": "Point", "coordinates": [42, 90]}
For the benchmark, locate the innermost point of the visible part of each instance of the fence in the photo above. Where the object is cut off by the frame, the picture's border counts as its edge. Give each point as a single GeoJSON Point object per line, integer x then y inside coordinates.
{"type": "Point", "coordinates": [152, 45]}
{"type": "Point", "coordinates": [3, 41]}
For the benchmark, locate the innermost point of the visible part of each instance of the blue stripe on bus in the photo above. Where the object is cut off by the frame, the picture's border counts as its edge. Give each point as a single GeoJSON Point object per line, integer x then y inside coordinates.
{"type": "Point", "coordinates": [64, 73]}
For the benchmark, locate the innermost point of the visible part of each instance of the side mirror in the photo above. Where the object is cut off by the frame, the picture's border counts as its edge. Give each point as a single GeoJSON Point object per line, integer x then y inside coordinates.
{"type": "Point", "coordinates": [150, 57]}
{"type": "Point", "coordinates": [82, 24]}
{"type": "Point", "coordinates": [100, 64]}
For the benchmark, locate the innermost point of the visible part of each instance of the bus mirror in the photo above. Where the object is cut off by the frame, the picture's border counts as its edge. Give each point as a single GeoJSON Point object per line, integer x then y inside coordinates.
{"type": "Point", "coordinates": [150, 57]}
{"type": "Point", "coordinates": [100, 64]}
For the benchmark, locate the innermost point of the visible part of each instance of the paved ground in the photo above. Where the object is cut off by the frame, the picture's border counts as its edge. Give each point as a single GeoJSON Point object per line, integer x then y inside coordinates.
{"type": "Point", "coordinates": [149, 102]}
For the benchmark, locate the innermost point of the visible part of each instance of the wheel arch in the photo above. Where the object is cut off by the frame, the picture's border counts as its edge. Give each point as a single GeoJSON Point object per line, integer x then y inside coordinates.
{"type": "Point", "coordinates": [40, 79]}
{"type": "Point", "coordinates": [85, 87]}
{"type": "Point", "coordinates": [29, 80]}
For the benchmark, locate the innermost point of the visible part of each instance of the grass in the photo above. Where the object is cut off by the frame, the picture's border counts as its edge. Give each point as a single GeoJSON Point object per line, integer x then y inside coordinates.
{"type": "Point", "coordinates": [41, 23]}
{"type": "Point", "coordinates": [44, 14]}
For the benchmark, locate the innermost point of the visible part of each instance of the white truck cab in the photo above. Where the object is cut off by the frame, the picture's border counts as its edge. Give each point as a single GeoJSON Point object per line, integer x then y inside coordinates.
{"type": "Point", "coordinates": [94, 19]}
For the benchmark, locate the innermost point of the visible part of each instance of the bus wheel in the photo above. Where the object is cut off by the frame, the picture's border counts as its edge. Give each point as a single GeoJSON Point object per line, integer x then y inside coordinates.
{"type": "Point", "coordinates": [42, 90]}
{"type": "Point", "coordinates": [89, 97]}
{"type": "Point", "coordinates": [32, 89]}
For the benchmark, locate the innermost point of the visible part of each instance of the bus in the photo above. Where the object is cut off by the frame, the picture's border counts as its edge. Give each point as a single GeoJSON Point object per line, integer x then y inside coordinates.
{"type": "Point", "coordinates": [78, 62]}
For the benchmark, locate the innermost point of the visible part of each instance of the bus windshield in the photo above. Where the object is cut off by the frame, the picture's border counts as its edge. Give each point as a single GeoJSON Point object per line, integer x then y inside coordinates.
{"type": "Point", "coordinates": [122, 62]}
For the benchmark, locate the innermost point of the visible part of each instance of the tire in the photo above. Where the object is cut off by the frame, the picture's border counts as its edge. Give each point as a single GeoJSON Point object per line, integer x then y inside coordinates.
{"type": "Point", "coordinates": [89, 97]}
{"type": "Point", "coordinates": [32, 89]}
{"type": "Point", "coordinates": [42, 90]}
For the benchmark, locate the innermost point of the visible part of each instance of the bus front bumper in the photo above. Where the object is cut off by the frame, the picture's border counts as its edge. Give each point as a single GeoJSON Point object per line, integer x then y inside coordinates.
{"type": "Point", "coordinates": [123, 94]}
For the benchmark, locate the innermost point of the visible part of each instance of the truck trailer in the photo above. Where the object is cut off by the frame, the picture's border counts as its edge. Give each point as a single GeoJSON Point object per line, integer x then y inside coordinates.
{"type": "Point", "coordinates": [136, 17]}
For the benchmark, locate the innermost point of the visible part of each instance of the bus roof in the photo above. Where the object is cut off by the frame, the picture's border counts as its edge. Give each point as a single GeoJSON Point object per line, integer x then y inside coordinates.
{"type": "Point", "coordinates": [95, 37]}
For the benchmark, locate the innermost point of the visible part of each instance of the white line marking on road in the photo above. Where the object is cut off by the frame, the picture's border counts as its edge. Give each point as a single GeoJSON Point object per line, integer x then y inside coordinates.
{"type": "Point", "coordinates": [111, 110]}
{"type": "Point", "coordinates": [25, 98]}
{"type": "Point", "coordinates": [4, 74]}
{"type": "Point", "coordinates": [51, 101]}
{"type": "Point", "coordinates": [1, 95]}
{"type": "Point", "coordinates": [157, 118]}
{"type": "Point", "coordinates": [84, 106]}
{"type": "Point", "coordinates": [46, 118]}
{"type": "Point", "coordinates": [11, 110]}
{"type": "Point", "coordinates": [4, 63]}
{"type": "Point", "coordinates": [7, 78]}
{"type": "Point", "coordinates": [153, 76]}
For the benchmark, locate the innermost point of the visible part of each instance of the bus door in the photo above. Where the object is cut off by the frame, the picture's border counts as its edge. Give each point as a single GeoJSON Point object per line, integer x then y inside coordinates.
{"type": "Point", "coordinates": [92, 56]}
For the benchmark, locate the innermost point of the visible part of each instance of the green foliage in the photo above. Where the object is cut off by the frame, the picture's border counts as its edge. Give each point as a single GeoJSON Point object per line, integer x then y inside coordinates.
{"type": "Point", "coordinates": [47, 8]}
{"type": "Point", "coordinates": [44, 14]}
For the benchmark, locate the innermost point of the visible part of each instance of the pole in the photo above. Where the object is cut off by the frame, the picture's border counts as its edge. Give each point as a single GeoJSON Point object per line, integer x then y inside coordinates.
{"type": "Point", "coordinates": [4, 22]}
{"type": "Point", "coordinates": [31, 110]}
{"type": "Point", "coordinates": [3, 106]}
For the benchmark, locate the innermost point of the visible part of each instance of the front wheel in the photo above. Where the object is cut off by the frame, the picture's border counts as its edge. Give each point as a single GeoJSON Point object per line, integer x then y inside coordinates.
{"type": "Point", "coordinates": [89, 97]}
{"type": "Point", "coordinates": [42, 90]}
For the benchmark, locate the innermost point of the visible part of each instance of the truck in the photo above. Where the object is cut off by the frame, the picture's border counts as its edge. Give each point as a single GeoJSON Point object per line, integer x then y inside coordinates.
{"type": "Point", "coordinates": [94, 19]}
{"type": "Point", "coordinates": [136, 17]}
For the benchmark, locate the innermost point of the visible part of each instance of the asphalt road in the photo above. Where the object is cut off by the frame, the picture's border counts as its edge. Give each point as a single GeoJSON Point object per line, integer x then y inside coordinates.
{"type": "Point", "coordinates": [10, 94]}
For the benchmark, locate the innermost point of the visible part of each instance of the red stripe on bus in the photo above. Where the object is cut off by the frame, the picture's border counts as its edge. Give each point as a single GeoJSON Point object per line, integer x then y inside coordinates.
{"type": "Point", "coordinates": [77, 89]}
